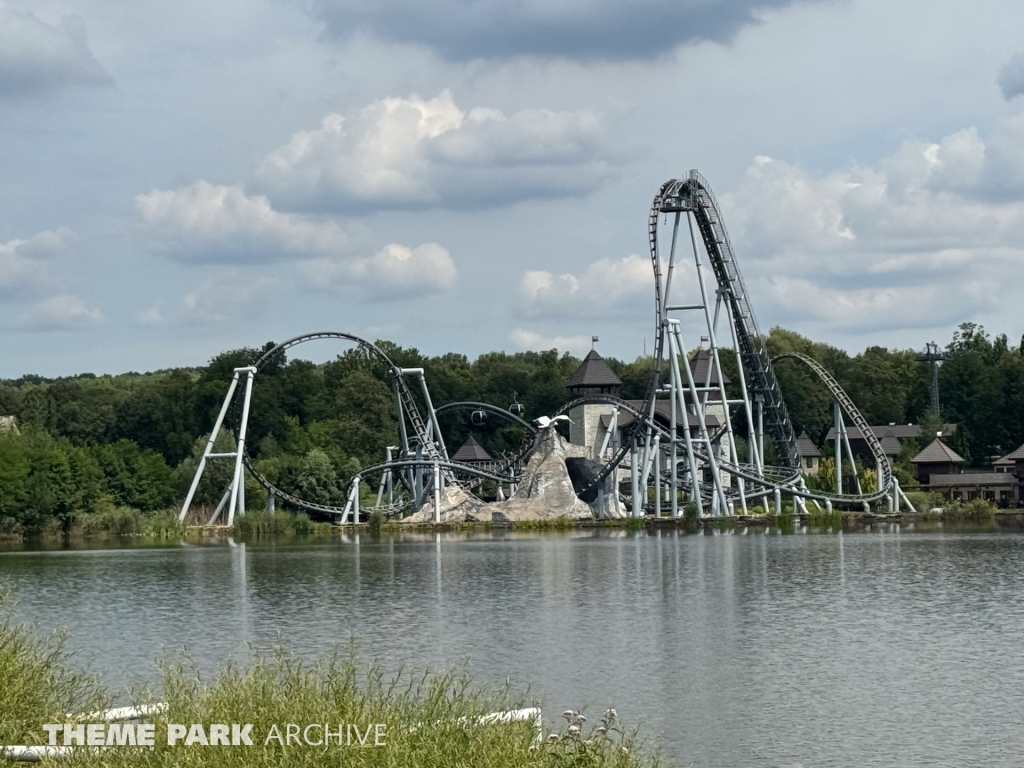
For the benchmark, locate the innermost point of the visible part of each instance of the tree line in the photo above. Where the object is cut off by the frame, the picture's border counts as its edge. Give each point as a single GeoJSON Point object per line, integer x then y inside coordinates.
{"type": "Point", "coordinates": [134, 439]}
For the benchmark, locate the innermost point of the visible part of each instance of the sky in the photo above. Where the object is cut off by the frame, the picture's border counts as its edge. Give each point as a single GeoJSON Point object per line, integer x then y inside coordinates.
{"type": "Point", "coordinates": [178, 179]}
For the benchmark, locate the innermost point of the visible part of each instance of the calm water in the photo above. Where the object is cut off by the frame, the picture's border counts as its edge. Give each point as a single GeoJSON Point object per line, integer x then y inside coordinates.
{"type": "Point", "coordinates": [870, 649]}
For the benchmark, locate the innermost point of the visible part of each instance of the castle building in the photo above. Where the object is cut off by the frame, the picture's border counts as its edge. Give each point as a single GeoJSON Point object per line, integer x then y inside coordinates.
{"type": "Point", "coordinates": [889, 435]}
{"type": "Point", "coordinates": [590, 422]}
{"type": "Point", "coordinates": [593, 377]}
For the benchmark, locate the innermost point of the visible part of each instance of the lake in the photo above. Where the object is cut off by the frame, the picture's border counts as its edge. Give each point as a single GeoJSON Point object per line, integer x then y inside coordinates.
{"type": "Point", "coordinates": [882, 648]}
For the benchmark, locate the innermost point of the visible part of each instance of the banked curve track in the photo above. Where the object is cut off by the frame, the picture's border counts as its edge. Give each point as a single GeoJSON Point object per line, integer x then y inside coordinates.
{"type": "Point", "coordinates": [694, 195]}
{"type": "Point", "coordinates": [431, 453]}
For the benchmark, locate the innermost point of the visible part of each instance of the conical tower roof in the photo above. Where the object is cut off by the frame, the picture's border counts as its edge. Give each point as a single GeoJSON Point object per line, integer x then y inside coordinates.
{"type": "Point", "coordinates": [594, 373]}
{"type": "Point", "coordinates": [806, 447]}
{"type": "Point", "coordinates": [700, 362]}
{"type": "Point", "coordinates": [471, 451]}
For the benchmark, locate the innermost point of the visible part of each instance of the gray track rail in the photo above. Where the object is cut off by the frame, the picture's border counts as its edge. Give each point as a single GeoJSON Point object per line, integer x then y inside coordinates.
{"type": "Point", "coordinates": [881, 460]}
{"type": "Point", "coordinates": [783, 478]}
{"type": "Point", "coordinates": [431, 453]}
{"type": "Point", "coordinates": [694, 195]}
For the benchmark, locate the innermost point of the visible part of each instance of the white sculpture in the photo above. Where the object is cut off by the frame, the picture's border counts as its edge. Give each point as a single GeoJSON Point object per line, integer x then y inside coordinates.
{"type": "Point", "coordinates": [546, 422]}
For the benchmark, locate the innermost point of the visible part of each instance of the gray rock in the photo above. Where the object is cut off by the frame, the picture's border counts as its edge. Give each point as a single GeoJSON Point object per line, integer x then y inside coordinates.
{"type": "Point", "coordinates": [457, 506]}
{"type": "Point", "coordinates": [546, 491]}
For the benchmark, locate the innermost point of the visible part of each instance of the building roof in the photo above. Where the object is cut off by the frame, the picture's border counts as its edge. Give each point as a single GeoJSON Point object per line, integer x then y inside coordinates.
{"type": "Point", "coordinates": [594, 372]}
{"type": "Point", "coordinates": [471, 451]}
{"type": "Point", "coordinates": [899, 431]}
{"type": "Point", "coordinates": [971, 479]}
{"type": "Point", "coordinates": [890, 445]}
{"type": "Point", "coordinates": [1012, 457]}
{"type": "Point", "coordinates": [700, 363]}
{"type": "Point", "coordinates": [662, 414]}
{"type": "Point", "coordinates": [806, 447]}
{"type": "Point", "coordinates": [937, 452]}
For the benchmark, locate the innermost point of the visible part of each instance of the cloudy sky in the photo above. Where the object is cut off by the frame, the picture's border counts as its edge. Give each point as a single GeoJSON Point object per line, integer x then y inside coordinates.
{"type": "Point", "coordinates": [181, 178]}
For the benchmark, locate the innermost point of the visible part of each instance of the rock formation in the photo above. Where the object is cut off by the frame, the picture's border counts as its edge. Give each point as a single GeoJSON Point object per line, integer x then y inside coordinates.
{"type": "Point", "coordinates": [457, 506]}
{"type": "Point", "coordinates": [546, 491]}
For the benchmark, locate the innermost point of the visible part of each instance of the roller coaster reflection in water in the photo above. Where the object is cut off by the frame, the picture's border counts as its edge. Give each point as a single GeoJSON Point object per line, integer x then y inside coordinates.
{"type": "Point", "coordinates": [700, 460]}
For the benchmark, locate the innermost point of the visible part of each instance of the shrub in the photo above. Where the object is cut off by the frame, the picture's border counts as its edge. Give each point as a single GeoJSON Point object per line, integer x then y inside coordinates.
{"type": "Point", "coordinates": [978, 510]}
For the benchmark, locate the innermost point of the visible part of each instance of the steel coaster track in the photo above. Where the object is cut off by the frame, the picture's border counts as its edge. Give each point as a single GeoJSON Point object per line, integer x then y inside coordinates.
{"type": "Point", "coordinates": [784, 478]}
{"type": "Point", "coordinates": [691, 195]}
{"type": "Point", "coordinates": [390, 510]}
{"type": "Point", "coordinates": [874, 444]}
{"type": "Point", "coordinates": [469, 405]}
{"type": "Point", "coordinates": [506, 461]}
{"type": "Point", "coordinates": [419, 430]}
{"type": "Point", "coordinates": [694, 195]}
{"type": "Point", "coordinates": [660, 315]}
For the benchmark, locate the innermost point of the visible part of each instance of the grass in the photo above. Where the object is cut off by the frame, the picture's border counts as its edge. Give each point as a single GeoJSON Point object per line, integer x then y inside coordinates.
{"type": "Point", "coordinates": [430, 720]}
{"type": "Point", "coordinates": [39, 683]}
{"type": "Point", "coordinates": [552, 524]}
{"type": "Point", "coordinates": [124, 522]}
{"type": "Point", "coordinates": [256, 525]}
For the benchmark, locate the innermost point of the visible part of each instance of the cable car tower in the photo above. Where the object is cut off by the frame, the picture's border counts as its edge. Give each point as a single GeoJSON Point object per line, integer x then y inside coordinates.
{"type": "Point", "coordinates": [934, 355]}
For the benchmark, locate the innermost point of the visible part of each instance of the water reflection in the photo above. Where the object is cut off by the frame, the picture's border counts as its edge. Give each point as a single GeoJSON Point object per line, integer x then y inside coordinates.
{"type": "Point", "coordinates": [743, 648]}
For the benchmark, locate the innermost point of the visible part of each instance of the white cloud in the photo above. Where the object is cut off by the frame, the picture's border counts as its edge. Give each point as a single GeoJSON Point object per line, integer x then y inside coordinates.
{"type": "Point", "coordinates": [225, 298]}
{"type": "Point", "coordinates": [23, 267]}
{"type": "Point", "coordinates": [525, 339]}
{"type": "Point", "coordinates": [63, 312]}
{"type": "Point", "coordinates": [396, 271]}
{"type": "Point", "coordinates": [217, 223]}
{"type": "Point", "coordinates": [415, 153]}
{"type": "Point", "coordinates": [605, 288]}
{"type": "Point", "coordinates": [36, 56]}
{"type": "Point", "coordinates": [1011, 77]}
{"type": "Point", "coordinates": [151, 316]}
{"type": "Point", "coordinates": [927, 235]}
{"type": "Point", "coordinates": [26, 274]}
{"type": "Point", "coordinates": [876, 308]}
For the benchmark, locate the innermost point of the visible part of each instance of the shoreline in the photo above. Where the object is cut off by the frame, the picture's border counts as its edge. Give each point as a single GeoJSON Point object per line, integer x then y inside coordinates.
{"type": "Point", "coordinates": [288, 526]}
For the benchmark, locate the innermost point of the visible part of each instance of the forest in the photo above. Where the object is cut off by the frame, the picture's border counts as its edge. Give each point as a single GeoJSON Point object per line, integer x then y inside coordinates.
{"type": "Point", "coordinates": [87, 442]}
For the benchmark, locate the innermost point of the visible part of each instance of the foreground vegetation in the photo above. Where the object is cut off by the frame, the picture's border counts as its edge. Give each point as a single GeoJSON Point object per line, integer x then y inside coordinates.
{"type": "Point", "coordinates": [88, 444]}
{"type": "Point", "coordinates": [429, 719]}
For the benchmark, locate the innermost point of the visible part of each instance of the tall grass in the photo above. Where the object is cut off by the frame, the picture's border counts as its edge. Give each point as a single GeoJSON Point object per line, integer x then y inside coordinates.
{"type": "Point", "coordinates": [37, 681]}
{"type": "Point", "coordinates": [255, 525]}
{"type": "Point", "coordinates": [430, 720]}
{"type": "Point", "coordinates": [109, 520]}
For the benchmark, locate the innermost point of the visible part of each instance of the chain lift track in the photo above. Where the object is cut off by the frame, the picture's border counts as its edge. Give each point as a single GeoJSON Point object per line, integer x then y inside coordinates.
{"type": "Point", "coordinates": [423, 446]}
{"type": "Point", "coordinates": [693, 197]}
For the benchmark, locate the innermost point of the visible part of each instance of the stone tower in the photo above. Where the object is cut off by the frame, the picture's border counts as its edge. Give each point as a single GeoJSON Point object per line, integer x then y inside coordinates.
{"type": "Point", "coordinates": [593, 377]}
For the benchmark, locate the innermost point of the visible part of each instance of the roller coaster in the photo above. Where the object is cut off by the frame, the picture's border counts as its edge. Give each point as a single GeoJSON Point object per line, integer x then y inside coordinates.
{"type": "Point", "coordinates": [699, 461]}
